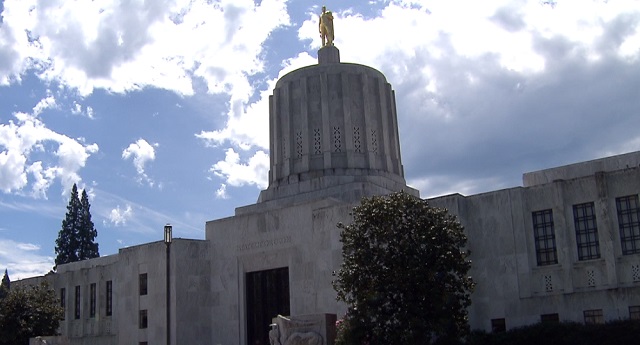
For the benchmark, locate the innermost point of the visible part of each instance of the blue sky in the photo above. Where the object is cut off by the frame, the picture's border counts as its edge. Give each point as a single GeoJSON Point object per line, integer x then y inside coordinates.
{"type": "Point", "coordinates": [158, 108]}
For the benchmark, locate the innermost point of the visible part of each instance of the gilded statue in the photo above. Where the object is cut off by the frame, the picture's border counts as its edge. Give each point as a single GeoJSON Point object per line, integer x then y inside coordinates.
{"type": "Point", "coordinates": [326, 27]}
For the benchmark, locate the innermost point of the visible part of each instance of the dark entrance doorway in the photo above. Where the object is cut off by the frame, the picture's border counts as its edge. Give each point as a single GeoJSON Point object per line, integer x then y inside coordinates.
{"type": "Point", "coordinates": [267, 296]}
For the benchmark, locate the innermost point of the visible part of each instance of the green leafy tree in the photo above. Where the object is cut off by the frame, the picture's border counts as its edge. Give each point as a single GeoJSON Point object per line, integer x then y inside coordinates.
{"type": "Point", "coordinates": [28, 312]}
{"type": "Point", "coordinates": [404, 276]}
{"type": "Point", "coordinates": [5, 286]}
{"type": "Point", "coordinates": [87, 247]}
{"type": "Point", "coordinates": [76, 238]}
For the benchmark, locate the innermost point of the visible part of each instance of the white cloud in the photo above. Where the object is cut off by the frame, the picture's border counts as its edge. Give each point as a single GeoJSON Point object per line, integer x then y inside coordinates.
{"type": "Point", "coordinates": [45, 103]}
{"type": "Point", "coordinates": [141, 152]}
{"type": "Point", "coordinates": [505, 28]}
{"type": "Point", "coordinates": [237, 174]}
{"type": "Point", "coordinates": [435, 185]}
{"type": "Point", "coordinates": [12, 173]}
{"type": "Point", "coordinates": [221, 193]}
{"type": "Point", "coordinates": [43, 178]}
{"type": "Point", "coordinates": [246, 130]}
{"type": "Point", "coordinates": [138, 218]}
{"type": "Point", "coordinates": [123, 46]}
{"type": "Point", "coordinates": [77, 110]}
{"type": "Point", "coordinates": [89, 112]}
{"type": "Point", "coordinates": [72, 156]}
{"type": "Point", "coordinates": [500, 85]}
{"type": "Point", "coordinates": [23, 260]}
{"type": "Point", "coordinates": [119, 216]}
{"type": "Point", "coordinates": [28, 246]}
{"type": "Point", "coordinates": [247, 123]}
{"type": "Point", "coordinates": [28, 134]}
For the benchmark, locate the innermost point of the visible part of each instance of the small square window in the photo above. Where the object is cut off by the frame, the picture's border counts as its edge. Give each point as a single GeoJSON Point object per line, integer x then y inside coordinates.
{"type": "Point", "coordinates": [593, 316]}
{"type": "Point", "coordinates": [143, 319]}
{"type": "Point", "coordinates": [143, 284]}
{"type": "Point", "coordinates": [550, 318]}
{"type": "Point", "coordinates": [634, 312]}
{"type": "Point", "coordinates": [498, 325]}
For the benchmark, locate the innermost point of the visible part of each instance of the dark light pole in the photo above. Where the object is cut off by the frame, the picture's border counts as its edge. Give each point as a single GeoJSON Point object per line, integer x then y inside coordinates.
{"type": "Point", "coordinates": [168, 237]}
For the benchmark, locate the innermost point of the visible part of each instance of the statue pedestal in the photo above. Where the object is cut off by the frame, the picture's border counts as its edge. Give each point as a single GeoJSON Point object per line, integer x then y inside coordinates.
{"type": "Point", "coordinates": [328, 54]}
{"type": "Point", "coordinates": [316, 329]}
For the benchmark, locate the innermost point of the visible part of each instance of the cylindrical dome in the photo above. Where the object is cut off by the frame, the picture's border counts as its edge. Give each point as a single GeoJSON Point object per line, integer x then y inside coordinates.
{"type": "Point", "coordinates": [332, 120]}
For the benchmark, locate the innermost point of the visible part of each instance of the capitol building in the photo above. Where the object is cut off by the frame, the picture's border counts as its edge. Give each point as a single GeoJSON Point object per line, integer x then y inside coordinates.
{"type": "Point", "coordinates": [564, 246]}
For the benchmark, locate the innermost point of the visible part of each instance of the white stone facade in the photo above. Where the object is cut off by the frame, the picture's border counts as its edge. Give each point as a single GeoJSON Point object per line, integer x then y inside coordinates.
{"type": "Point", "coordinates": [512, 284]}
{"type": "Point", "coordinates": [89, 320]}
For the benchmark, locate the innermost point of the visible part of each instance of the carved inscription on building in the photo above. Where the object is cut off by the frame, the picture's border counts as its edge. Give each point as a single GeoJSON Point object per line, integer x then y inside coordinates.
{"type": "Point", "coordinates": [263, 244]}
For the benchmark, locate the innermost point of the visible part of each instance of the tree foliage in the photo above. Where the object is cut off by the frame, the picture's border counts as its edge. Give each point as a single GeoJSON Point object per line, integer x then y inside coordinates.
{"type": "Point", "coordinates": [5, 286]}
{"type": "Point", "coordinates": [618, 332]}
{"type": "Point", "coordinates": [404, 275]}
{"type": "Point", "coordinates": [76, 238]}
{"type": "Point", "coordinates": [28, 312]}
{"type": "Point", "coordinates": [87, 247]}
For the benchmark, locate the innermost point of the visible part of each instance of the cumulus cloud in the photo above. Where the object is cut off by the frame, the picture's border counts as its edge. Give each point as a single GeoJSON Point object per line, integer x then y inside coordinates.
{"type": "Point", "coordinates": [123, 46]}
{"type": "Point", "coordinates": [27, 135]}
{"type": "Point", "coordinates": [141, 152]}
{"type": "Point", "coordinates": [45, 103]}
{"type": "Point", "coordinates": [221, 193]}
{"type": "Point", "coordinates": [248, 131]}
{"type": "Point", "coordinates": [237, 174]}
{"type": "Point", "coordinates": [119, 216]}
{"type": "Point", "coordinates": [77, 109]}
{"type": "Point", "coordinates": [247, 122]}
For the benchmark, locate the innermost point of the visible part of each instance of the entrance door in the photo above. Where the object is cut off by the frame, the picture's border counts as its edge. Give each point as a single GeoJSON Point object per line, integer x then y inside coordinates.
{"type": "Point", "coordinates": [267, 296]}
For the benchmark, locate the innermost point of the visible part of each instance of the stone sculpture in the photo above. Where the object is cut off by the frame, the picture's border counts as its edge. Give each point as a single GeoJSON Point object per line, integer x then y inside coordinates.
{"type": "Point", "coordinates": [274, 335]}
{"type": "Point", "coordinates": [326, 27]}
{"type": "Point", "coordinates": [304, 338]}
{"type": "Point", "coordinates": [286, 331]}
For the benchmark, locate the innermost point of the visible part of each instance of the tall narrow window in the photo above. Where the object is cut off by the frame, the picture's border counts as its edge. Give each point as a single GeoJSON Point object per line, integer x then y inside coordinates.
{"type": "Point", "coordinates": [143, 283]}
{"type": "Point", "coordinates": [143, 319]}
{"type": "Point", "coordinates": [634, 312]}
{"type": "Point", "coordinates": [77, 303]}
{"type": "Point", "coordinates": [628, 221]}
{"type": "Point", "coordinates": [63, 302]}
{"type": "Point", "coordinates": [92, 300]}
{"type": "Point", "coordinates": [586, 231]}
{"type": "Point", "coordinates": [545, 238]}
{"type": "Point", "coordinates": [109, 304]}
{"type": "Point", "coordinates": [593, 316]}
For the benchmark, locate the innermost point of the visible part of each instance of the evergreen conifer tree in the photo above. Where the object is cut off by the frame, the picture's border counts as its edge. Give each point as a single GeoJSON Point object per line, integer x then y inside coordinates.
{"type": "Point", "coordinates": [87, 247]}
{"type": "Point", "coordinates": [67, 241]}
{"type": "Point", "coordinates": [76, 238]}
{"type": "Point", "coordinates": [5, 286]}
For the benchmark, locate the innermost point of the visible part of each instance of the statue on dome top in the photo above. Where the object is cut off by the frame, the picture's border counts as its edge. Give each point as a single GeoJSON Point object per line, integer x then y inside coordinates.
{"type": "Point", "coordinates": [326, 27]}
